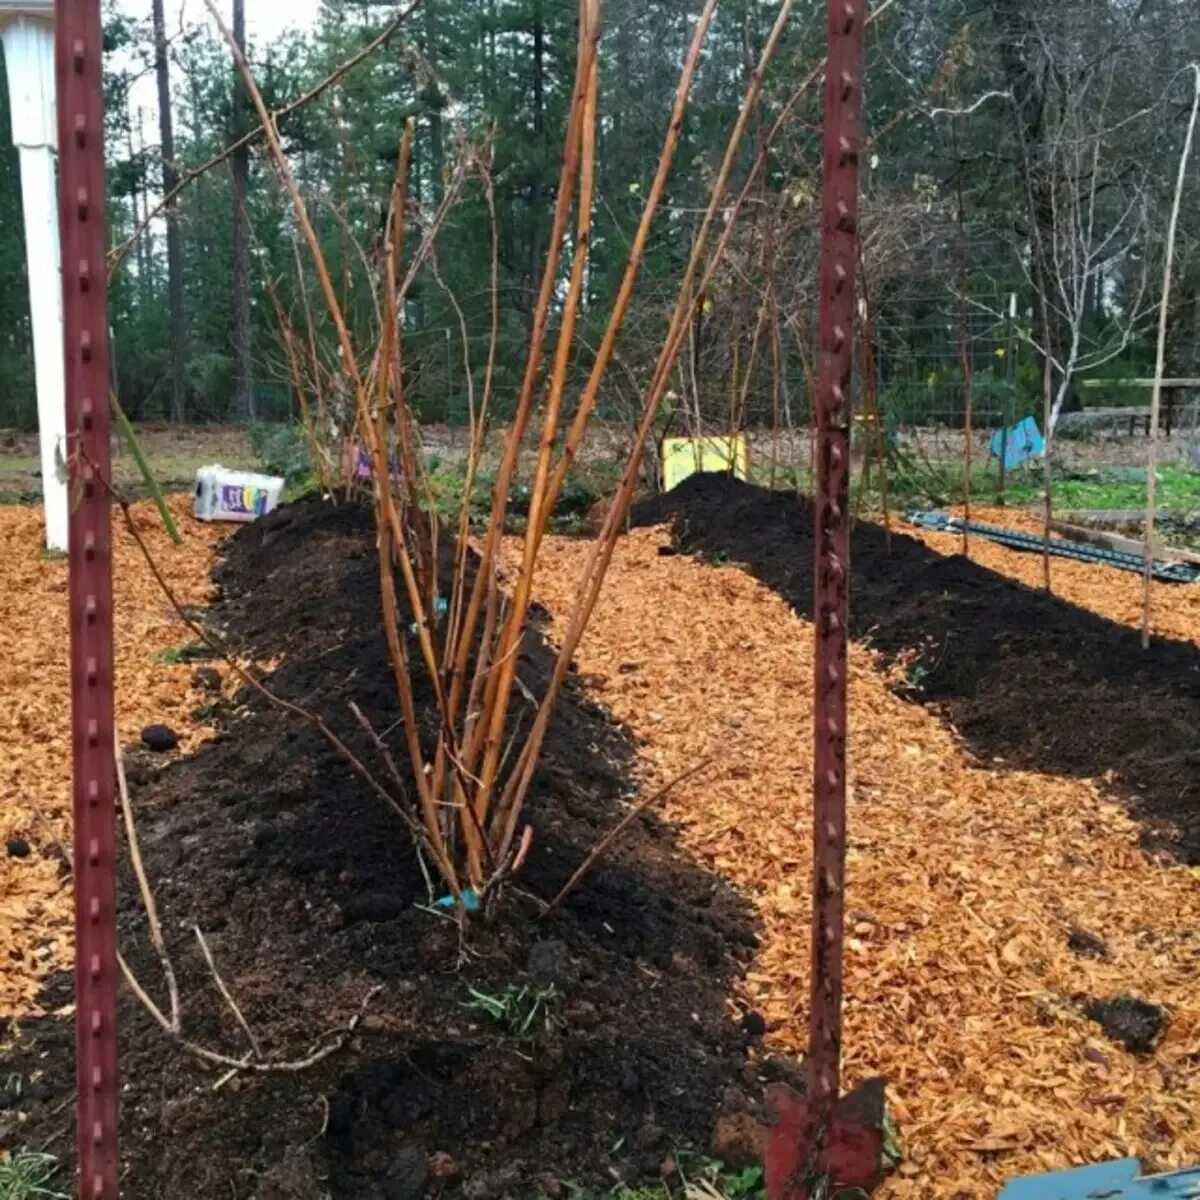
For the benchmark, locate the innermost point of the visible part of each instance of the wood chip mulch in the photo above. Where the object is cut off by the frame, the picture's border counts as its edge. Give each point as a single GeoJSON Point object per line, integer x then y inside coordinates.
{"type": "Point", "coordinates": [965, 884]}
{"type": "Point", "coordinates": [35, 768]}
{"type": "Point", "coordinates": [965, 880]}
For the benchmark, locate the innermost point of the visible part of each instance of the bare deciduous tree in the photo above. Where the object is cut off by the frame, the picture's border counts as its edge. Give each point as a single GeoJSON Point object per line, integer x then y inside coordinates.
{"type": "Point", "coordinates": [1088, 268]}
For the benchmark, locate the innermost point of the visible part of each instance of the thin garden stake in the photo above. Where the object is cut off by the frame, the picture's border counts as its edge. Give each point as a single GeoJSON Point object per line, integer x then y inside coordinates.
{"type": "Point", "coordinates": [143, 466]}
{"type": "Point", "coordinates": [1160, 355]}
{"type": "Point", "coordinates": [964, 334]}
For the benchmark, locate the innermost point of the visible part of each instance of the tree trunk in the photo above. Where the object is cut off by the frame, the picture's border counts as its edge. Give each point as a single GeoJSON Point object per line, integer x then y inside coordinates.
{"type": "Point", "coordinates": [436, 150]}
{"type": "Point", "coordinates": [1024, 67]}
{"type": "Point", "coordinates": [537, 200]}
{"type": "Point", "coordinates": [141, 205]}
{"type": "Point", "coordinates": [493, 83]}
{"type": "Point", "coordinates": [240, 166]}
{"type": "Point", "coordinates": [1057, 333]}
{"type": "Point", "coordinates": [177, 350]}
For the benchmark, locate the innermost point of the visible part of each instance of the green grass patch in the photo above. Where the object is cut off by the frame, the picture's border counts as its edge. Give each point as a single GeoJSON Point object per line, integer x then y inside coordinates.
{"type": "Point", "coordinates": [282, 450]}
{"type": "Point", "coordinates": [1175, 487]}
{"type": "Point", "coordinates": [183, 652]}
{"type": "Point", "coordinates": [941, 484]}
{"type": "Point", "coordinates": [524, 1011]}
{"type": "Point", "coordinates": [29, 1175]}
{"type": "Point", "coordinates": [299, 486]}
{"type": "Point", "coordinates": [697, 1177]}
{"type": "Point", "coordinates": [19, 465]}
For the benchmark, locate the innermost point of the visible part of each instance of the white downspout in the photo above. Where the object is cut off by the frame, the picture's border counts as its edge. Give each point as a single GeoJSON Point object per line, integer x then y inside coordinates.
{"type": "Point", "coordinates": [29, 58]}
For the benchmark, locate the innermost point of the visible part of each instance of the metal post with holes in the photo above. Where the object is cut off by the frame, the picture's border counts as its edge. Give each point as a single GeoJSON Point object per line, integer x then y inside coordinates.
{"type": "Point", "coordinates": [821, 1142]}
{"type": "Point", "coordinates": [80, 99]}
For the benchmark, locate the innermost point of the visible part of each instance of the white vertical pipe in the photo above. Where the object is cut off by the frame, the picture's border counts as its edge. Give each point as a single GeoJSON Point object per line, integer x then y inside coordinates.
{"type": "Point", "coordinates": [29, 58]}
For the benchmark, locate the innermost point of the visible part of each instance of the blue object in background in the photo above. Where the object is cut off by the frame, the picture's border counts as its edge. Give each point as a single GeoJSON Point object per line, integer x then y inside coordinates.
{"type": "Point", "coordinates": [1018, 444]}
{"type": "Point", "coordinates": [1106, 1181]}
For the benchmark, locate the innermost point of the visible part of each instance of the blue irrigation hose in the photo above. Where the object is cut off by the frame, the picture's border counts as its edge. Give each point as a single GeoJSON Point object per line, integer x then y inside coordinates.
{"type": "Point", "coordinates": [1169, 572]}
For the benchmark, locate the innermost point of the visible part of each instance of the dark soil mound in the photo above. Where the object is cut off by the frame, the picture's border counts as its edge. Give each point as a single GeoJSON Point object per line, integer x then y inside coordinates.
{"type": "Point", "coordinates": [1026, 678]}
{"type": "Point", "coordinates": [617, 1041]}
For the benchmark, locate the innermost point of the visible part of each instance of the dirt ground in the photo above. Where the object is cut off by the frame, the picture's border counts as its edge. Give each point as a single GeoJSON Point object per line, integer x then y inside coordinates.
{"type": "Point", "coordinates": [1024, 844]}
{"type": "Point", "coordinates": [175, 452]}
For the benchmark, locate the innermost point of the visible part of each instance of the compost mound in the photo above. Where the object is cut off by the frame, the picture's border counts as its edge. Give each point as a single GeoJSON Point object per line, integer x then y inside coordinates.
{"type": "Point", "coordinates": [593, 1045]}
{"type": "Point", "coordinates": [1027, 679]}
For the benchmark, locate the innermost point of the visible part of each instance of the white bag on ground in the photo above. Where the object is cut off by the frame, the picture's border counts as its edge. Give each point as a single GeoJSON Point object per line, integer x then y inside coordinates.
{"type": "Point", "coordinates": [223, 495]}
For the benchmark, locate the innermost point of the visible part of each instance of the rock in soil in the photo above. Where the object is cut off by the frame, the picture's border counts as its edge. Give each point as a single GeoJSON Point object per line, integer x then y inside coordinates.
{"type": "Point", "coordinates": [159, 738]}
{"type": "Point", "coordinates": [295, 1178]}
{"type": "Point", "coordinates": [650, 1136]}
{"type": "Point", "coordinates": [1087, 944]}
{"type": "Point", "coordinates": [1127, 1019]}
{"type": "Point", "coordinates": [17, 848]}
{"type": "Point", "coordinates": [407, 1174]}
{"type": "Point", "coordinates": [207, 679]}
{"type": "Point", "coordinates": [753, 1024]}
{"type": "Point", "coordinates": [738, 1140]}
{"type": "Point", "coordinates": [495, 1185]}
{"type": "Point", "coordinates": [550, 962]}
{"type": "Point", "coordinates": [583, 1015]}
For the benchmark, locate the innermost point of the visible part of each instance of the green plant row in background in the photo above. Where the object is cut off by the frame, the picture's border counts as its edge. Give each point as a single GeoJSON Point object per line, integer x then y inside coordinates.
{"type": "Point", "coordinates": [283, 450]}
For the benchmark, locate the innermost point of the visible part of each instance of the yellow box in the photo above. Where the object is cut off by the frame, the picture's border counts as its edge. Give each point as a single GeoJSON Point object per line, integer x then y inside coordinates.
{"type": "Point", "coordinates": [682, 457]}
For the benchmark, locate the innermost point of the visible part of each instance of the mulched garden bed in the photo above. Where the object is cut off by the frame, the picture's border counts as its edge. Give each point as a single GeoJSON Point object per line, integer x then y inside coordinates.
{"type": "Point", "coordinates": [1025, 678]}
{"type": "Point", "coordinates": [620, 1042]}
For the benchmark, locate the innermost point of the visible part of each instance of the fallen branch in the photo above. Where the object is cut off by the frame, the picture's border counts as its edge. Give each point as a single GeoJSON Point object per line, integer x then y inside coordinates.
{"type": "Point", "coordinates": [172, 1025]}
{"type": "Point", "coordinates": [226, 995]}
{"type": "Point", "coordinates": [264, 1067]}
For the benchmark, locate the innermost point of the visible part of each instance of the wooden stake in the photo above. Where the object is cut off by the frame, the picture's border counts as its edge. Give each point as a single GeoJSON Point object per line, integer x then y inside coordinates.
{"type": "Point", "coordinates": [1160, 357]}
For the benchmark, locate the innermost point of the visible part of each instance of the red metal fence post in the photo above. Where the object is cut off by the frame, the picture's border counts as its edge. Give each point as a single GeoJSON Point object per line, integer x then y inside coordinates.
{"type": "Point", "coordinates": [824, 1140]}
{"type": "Point", "coordinates": [80, 99]}
{"type": "Point", "coordinates": [839, 256]}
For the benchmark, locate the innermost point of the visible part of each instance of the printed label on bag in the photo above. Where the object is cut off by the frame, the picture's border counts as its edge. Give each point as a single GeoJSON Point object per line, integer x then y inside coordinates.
{"type": "Point", "coordinates": [251, 501]}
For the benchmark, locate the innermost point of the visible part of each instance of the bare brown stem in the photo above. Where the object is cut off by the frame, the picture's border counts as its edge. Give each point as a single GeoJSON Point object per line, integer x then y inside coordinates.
{"type": "Point", "coordinates": [226, 995]}
{"type": "Point", "coordinates": [144, 888]}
